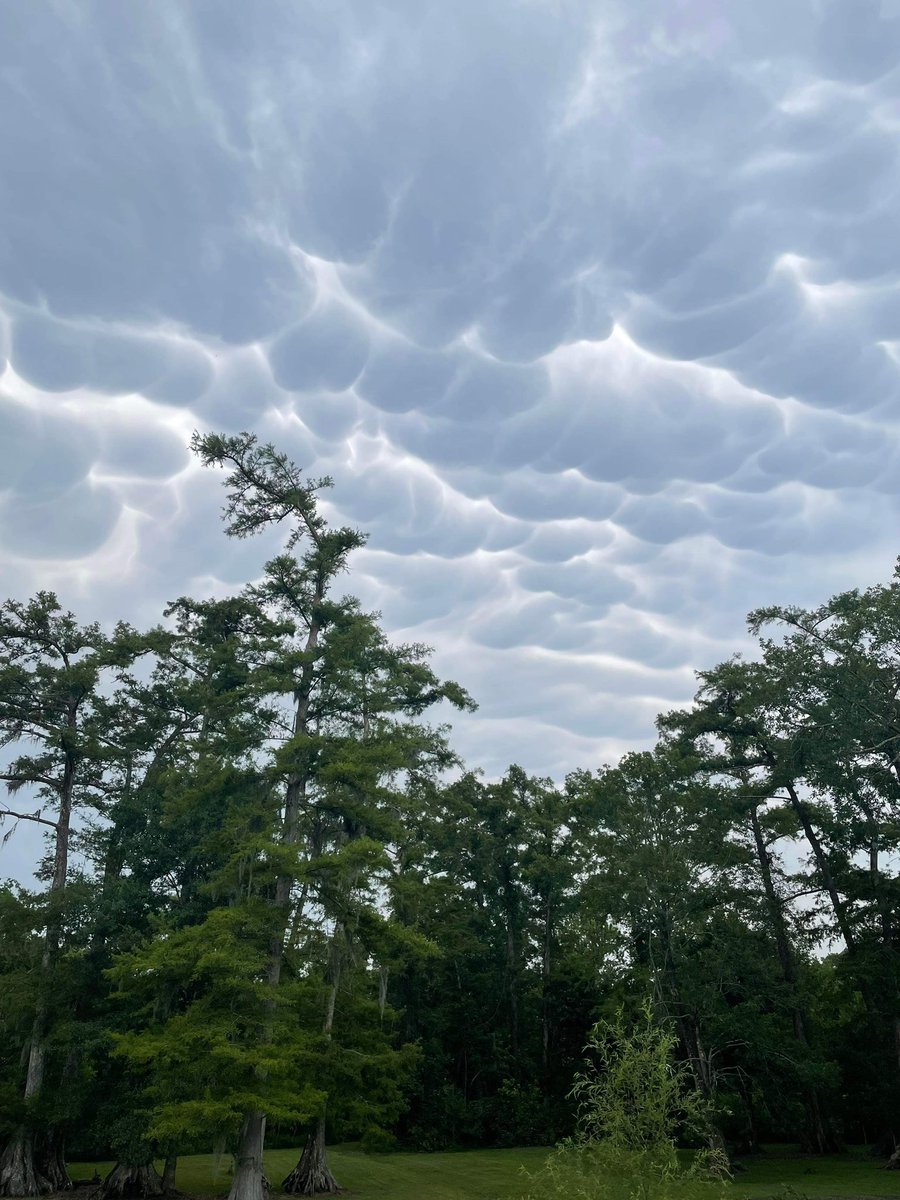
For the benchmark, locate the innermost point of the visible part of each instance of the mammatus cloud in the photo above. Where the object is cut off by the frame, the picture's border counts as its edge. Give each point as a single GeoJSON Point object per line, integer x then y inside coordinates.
{"type": "Point", "coordinates": [592, 311]}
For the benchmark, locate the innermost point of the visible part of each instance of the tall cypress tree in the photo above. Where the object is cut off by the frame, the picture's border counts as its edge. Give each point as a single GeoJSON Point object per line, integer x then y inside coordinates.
{"type": "Point", "coordinates": [52, 672]}
{"type": "Point", "coordinates": [308, 815]}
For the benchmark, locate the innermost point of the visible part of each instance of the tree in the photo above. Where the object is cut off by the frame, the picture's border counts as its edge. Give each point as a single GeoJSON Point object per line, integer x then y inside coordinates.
{"type": "Point", "coordinates": [665, 871]}
{"type": "Point", "coordinates": [633, 1102]}
{"type": "Point", "coordinates": [724, 732]}
{"type": "Point", "coordinates": [368, 740]}
{"type": "Point", "coordinates": [190, 790]}
{"type": "Point", "coordinates": [312, 816]}
{"type": "Point", "coordinates": [488, 876]}
{"type": "Point", "coordinates": [52, 671]}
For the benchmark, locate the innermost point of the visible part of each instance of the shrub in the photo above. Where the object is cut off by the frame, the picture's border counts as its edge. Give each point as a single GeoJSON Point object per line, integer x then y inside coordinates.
{"type": "Point", "coordinates": [632, 1102]}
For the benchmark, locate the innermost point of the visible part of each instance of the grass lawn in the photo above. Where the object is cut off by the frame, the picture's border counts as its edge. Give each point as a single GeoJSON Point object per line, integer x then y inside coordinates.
{"type": "Point", "coordinates": [495, 1175]}
{"type": "Point", "coordinates": [853, 1174]}
{"type": "Point", "coordinates": [461, 1175]}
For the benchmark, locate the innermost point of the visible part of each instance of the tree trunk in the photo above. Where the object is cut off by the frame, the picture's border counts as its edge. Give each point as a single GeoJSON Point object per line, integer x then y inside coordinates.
{"type": "Point", "coordinates": [511, 914]}
{"type": "Point", "coordinates": [822, 863]}
{"type": "Point", "coordinates": [750, 1141]}
{"type": "Point", "coordinates": [312, 1176]}
{"type": "Point", "coordinates": [885, 916]}
{"type": "Point", "coordinates": [816, 1138]}
{"type": "Point", "coordinates": [130, 1181]}
{"type": "Point", "coordinates": [248, 1182]}
{"type": "Point", "coordinates": [17, 1164]}
{"type": "Point", "coordinates": [18, 1176]}
{"type": "Point", "coordinates": [689, 1031]}
{"type": "Point", "coordinates": [545, 990]}
{"type": "Point", "coordinates": [312, 1173]}
{"type": "Point", "coordinates": [168, 1175]}
{"type": "Point", "coordinates": [53, 1161]}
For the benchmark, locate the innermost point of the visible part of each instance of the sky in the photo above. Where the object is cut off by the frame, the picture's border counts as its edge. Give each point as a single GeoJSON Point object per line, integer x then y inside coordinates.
{"type": "Point", "coordinates": [591, 309]}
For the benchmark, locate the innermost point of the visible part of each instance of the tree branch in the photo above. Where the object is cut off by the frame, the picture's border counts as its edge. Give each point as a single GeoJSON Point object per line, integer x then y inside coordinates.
{"type": "Point", "coordinates": [21, 780]}
{"type": "Point", "coordinates": [8, 812]}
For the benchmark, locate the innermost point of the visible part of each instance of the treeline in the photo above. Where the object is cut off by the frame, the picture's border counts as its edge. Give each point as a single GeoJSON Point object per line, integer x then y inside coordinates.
{"type": "Point", "coordinates": [276, 906]}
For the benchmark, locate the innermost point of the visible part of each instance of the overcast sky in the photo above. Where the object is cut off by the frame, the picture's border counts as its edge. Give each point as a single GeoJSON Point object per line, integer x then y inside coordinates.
{"type": "Point", "coordinates": [591, 309]}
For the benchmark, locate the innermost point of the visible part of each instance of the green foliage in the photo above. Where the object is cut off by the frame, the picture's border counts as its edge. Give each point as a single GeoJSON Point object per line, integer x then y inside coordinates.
{"type": "Point", "coordinates": [600, 1172]}
{"type": "Point", "coordinates": [207, 1063]}
{"type": "Point", "coordinates": [632, 1101]}
{"type": "Point", "coordinates": [519, 1115]}
{"type": "Point", "coordinates": [631, 1096]}
{"type": "Point", "coordinates": [261, 895]}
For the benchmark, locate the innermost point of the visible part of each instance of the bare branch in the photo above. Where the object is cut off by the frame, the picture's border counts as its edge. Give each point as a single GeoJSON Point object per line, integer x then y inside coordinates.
{"type": "Point", "coordinates": [8, 812]}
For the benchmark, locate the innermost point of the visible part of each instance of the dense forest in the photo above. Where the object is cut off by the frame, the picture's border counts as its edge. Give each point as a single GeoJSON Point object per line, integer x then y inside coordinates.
{"type": "Point", "coordinates": [274, 905]}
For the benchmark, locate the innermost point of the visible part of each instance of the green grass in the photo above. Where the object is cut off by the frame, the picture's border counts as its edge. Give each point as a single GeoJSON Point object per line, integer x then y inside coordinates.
{"type": "Point", "coordinates": [495, 1174]}
{"type": "Point", "coordinates": [852, 1174]}
{"type": "Point", "coordinates": [463, 1175]}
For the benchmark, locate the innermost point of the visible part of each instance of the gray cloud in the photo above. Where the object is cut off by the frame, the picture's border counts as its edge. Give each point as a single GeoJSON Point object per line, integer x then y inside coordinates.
{"type": "Point", "coordinates": [593, 313]}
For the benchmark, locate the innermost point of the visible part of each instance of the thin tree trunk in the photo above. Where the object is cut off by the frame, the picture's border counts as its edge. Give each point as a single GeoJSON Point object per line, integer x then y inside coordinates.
{"type": "Point", "coordinates": [510, 904]}
{"type": "Point", "coordinates": [296, 788]}
{"type": "Point", "coordinates": [689, 1032]}
{"type": "Point", "coordinates": [545, 988]}
{"type": "Point", "coordinates": [821, 859]}
{"type": "Point", "coordinates": [751, 1140]}
{"type": "Point", "coordinates": [818, 1140]}
{"type": "Point", "coordinates": [168, 1175]}
{"type": "Point", "coordinates": [383, 975]}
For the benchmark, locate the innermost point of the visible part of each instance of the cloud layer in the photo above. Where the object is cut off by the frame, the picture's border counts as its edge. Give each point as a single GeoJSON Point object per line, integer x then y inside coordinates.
{"type": "Point", "coordinates": [592, 311]}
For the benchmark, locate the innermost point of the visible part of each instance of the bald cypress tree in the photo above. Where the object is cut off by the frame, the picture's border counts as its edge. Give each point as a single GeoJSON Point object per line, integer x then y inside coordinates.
{"type": "Point", "coordinates": [348, 728]}
{"type": "Point", "coordinates": [52, 672]}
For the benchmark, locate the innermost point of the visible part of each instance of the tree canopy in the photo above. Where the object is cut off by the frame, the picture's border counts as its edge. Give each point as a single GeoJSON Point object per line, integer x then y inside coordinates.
{"type": "Point", "coordinates": [275, 904]}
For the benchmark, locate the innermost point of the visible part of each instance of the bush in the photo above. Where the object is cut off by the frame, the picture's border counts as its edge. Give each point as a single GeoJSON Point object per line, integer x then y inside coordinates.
{"type": "Point", "coordinates": [632, 1102]}
{"type": "Point", "coordinates": [599, 1171]}
{"type": "Point", "coordinates": [378, 1141]}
